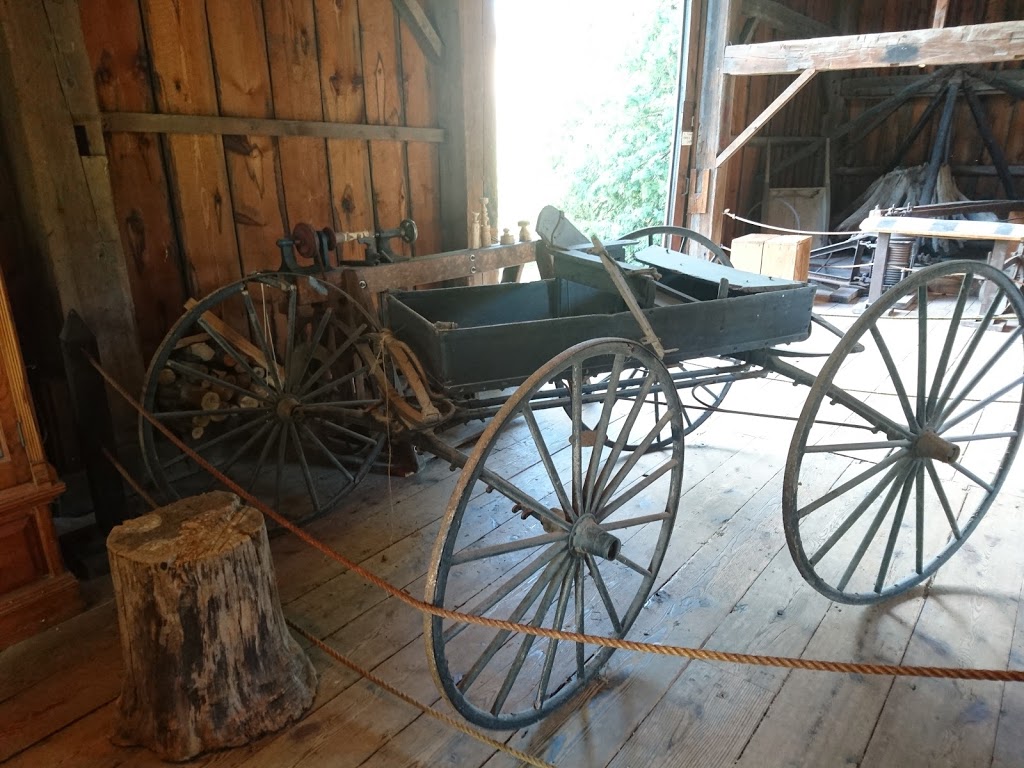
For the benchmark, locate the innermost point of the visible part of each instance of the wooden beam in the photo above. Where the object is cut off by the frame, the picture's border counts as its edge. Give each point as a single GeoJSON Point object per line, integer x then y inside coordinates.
{"type": "Point", "coordinates": [791, 23]}
{"type": "Point", "coordinates": [939, 18]}
{"type": "Point", "coordinates": [780, 101]}
{"type": "Point", "coordinates": [944, 228]}
{"type": "Point", "coordinates": [422, 27]}
{"type": "Point", "coordinates": [957, 170]}
{"type": "Point", "coordinates": [144, 122]}
{"type": "Point", "coordinates": [974, 44]}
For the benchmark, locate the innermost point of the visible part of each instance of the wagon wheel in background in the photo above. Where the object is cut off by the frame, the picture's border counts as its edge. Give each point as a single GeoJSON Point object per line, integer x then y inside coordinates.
{"type": "Point", "coordinates": [870, 514]}
{"type": "Point", "coordinates": [699, 400]}
{"type": "Point", "coordinates": [267, 379]}
{"type": "Point", "coordinates": [571, 535]}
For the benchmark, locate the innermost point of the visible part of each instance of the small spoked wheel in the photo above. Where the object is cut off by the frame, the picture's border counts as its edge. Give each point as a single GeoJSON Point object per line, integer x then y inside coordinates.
{"type": "Point", "coordinates": [270, 379]}
{"type": "Point", "coordinates": [676, 239]}
{"type": "Point", "coordinates": [555, 525]}
{"type": "Point", "coordinates": [901, 448]}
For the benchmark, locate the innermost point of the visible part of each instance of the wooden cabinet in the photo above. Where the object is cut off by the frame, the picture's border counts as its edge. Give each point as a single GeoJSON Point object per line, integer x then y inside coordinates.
{"type": "Point", "coordinates": [35, 589]}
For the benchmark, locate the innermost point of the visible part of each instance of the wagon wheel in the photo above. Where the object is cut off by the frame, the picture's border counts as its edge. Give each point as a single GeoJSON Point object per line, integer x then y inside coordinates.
{"type": "Point", "coordinates": [267, 379]}
{"type": "Point", "coordinates": [699, 400]}
{"type": "Point", "coordinates": [572, 537]}
{"type": "Point", "coordinates": [874, 507]}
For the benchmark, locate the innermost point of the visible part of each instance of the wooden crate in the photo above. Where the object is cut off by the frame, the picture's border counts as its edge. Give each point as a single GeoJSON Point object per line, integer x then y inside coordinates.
{"type": "Point", "coordinates": [785, 256]}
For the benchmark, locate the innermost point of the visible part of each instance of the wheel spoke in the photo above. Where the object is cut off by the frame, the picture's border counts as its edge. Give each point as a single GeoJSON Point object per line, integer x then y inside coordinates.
{"type": "Point", "coordinates": [478, 553]}
{"type": "Point", "coordinates": [334, 384]}
{"type": "Point", "coordinates": [634, 457]}
{"type": "Point", "coordinates": [855, 515]}
{"type": "Point", "coordinates": [349, 433]}
{"type": "Point", "coordinates": [549, 652]}
{"type": "Point", "coordinates": [581, 627]}
{"type": "Point", "coordinates": [602, 431]}
{"type": "Point", "coordinates": [947, 347]}
{"type": "Point", "coordinates": [835, 493]}
{"type": "Point", "coordinates": [947, 409]}
{"type": "Point", "coordinates": [941, 493]}
{"type": "Point", "coordinates": [233, 432]}
{"type": "Point", "coordinates": [986, 436]}
{"type": "Point", "coordinates": [282, 450]}
{"type": "Point", "coordinates": [367, 464]}
{"type": "Point", "coordinates": [545, 457]}
{"type": "Point", "coordinates": [506, 588]}
{"type": "Point", "coordinates": [241, 450]}
{"type": "Point", "coordinates": [894, 375]}
{"type": "Point", "coordinates": [522, 498]}
{"type": "Point", "coordinates": [576, 398]}
{"type": "Point", "coordinates": [269, 360]}
{"type": "Point", "coordinates": [967, 473]}
{"type": "Point", "coordinates": [603, 512]}
{"type": "Point", "coordinates": [289, 340]}
{"type": "Point", "coordinates": [627, 427]}
{"type": "Point", "coordinates": [304, 464]}
{"type": "Point", "coordinates": [318, 335]}
{"type": "Point", "coordinates": [264, 454]}
{"type": "Point", "coordinates": [897, 521]}
{"type": "Point", "coordinates": [634, 522]}
{"type": "Point", "coordinates": [169, 415]}
{"type": "Point", "coordinates": [869, 446]}
{"type": "Point", "coordinates": [980, 404]}
{"type": "Point", "coordinates": [328, 454]}
{"type": "Point", "coordinates": [527, 643]}
{"type": "Point", "coordinates": [602, 590]}
{"type": "Point", "coordinates": [330, 361]}
{"type": "Point", "coordinates": [919, 527]}
{"type": "Point", "coordinates": [174, 365]}
{"type": "Point", "coordinates": [621, 558]}
{"type": "Point", "coordinates": [869, 536]}
{"type": "Point", "coordinates": [922, 352]}
{"type": "Point", "coordinates": [501, 636]}
{"type": "Point", "coordinates": [968, 353]}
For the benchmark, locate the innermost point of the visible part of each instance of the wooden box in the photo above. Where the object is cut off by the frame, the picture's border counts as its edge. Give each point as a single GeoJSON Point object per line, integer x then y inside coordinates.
{"type": "Point", "coordinates": [785, 256]}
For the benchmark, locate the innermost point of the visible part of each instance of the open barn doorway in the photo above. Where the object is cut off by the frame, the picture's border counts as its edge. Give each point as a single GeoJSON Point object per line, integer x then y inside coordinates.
{"type": "Point", "coordinates": [586, 107]}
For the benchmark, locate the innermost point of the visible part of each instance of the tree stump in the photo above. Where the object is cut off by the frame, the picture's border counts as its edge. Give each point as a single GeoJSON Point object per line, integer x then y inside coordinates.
{"type": "Point", "coordinates": [208, 659]}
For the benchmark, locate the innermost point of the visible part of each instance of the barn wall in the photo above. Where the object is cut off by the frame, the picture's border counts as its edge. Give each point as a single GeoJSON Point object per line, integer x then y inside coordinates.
{"type": "Point", "coordinates": [199, 210]}
{"type": "Point", "coordinates": [822, 107]}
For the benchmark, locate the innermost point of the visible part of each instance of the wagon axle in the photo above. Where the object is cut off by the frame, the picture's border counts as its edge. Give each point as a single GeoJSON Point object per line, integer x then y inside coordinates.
{"type": "Point", "coordinates": [930, 445]}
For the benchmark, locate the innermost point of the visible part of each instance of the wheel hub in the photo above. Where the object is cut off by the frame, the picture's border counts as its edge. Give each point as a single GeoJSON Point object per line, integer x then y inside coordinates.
{"type": "Point", "coordinates": [930, 446]}
{"type": "Point", "coordinates": [287, 407]}
{"type": "Point", "coordinates": [589, 538]}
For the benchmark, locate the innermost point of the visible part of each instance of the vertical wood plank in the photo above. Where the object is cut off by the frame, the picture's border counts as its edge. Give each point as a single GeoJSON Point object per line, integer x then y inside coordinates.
{"type": "Point", "coordinates": [117, 53]}
{"type": "Point", "coordinates": [238, 45]}
{"type": "Point", "coordinates": [183, 75]}
{"type": "Point", "coordinates": [424, 167]}
{"type": "Point", "coordinates": [341, 82]}
{"type": "Point", "coordinates": [295, 77]}
{"type": "Point", "coordinates": [383, 93]}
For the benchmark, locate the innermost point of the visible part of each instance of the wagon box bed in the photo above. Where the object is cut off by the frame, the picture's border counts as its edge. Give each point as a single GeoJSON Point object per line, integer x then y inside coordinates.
{"type": "Point", "coordinates": [488, 337]}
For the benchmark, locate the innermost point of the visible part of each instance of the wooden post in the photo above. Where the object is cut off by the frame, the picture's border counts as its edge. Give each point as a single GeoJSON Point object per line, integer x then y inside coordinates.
{"type": "Point", "coordinates": [92, 419]}
{"type": "Point", "coordinates": [61, 176]}
{"type": "Point", "coordinates": [208, 660]}
{"type": "Point", "coordinates": [712, 116]}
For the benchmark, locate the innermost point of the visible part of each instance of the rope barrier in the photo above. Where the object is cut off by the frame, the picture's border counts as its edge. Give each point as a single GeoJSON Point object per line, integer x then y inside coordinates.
{"type": "Point", "coordinates": [684, 652]}
{"type": "Point", "coordinates": [762, 225]}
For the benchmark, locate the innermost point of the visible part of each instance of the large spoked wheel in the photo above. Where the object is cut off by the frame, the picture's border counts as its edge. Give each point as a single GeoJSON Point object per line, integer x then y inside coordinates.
{"type": "Point", "coordinates": [931, 413]}
{"type": "Point", "coordinates": [571, 537]}
{"type": "Point", "coordinates": [699, 394]}
{"type": "Point", "coordinates": [270, 379]}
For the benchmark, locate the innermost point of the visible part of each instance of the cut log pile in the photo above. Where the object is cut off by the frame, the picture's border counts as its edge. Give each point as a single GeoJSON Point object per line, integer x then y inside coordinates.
{"type": "Point", "coordinates": [205, 379]}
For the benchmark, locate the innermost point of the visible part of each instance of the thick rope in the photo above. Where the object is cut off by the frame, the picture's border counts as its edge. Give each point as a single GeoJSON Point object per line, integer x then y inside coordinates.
{"type": "Point", "coordinates": [700, 654]}
{"type": "Point", "coordinates": [430, 711]}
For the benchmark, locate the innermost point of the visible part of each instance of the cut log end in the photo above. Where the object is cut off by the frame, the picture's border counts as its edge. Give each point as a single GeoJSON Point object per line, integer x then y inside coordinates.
{"type": "Point", "coordinates": [202, 630]}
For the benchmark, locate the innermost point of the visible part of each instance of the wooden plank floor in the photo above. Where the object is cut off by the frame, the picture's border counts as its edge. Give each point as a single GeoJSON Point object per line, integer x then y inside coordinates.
{"type": "Point", "coordinates": [727, 583]}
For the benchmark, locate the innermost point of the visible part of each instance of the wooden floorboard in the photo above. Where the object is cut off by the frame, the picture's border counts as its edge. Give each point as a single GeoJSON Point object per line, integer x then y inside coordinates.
{"type": "Point", "coordinates": [727, 582]}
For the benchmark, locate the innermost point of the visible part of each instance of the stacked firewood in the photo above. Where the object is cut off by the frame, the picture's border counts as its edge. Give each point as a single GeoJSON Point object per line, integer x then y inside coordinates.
{"type": "Point", "coordinates": [212, 388]}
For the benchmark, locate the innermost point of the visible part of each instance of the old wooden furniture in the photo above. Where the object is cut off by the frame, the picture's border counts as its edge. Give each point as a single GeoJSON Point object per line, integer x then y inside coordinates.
{"type": "Point", "coordinates": [35, 589]}
{"type": "Point", "coordinates": [568, 499]}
